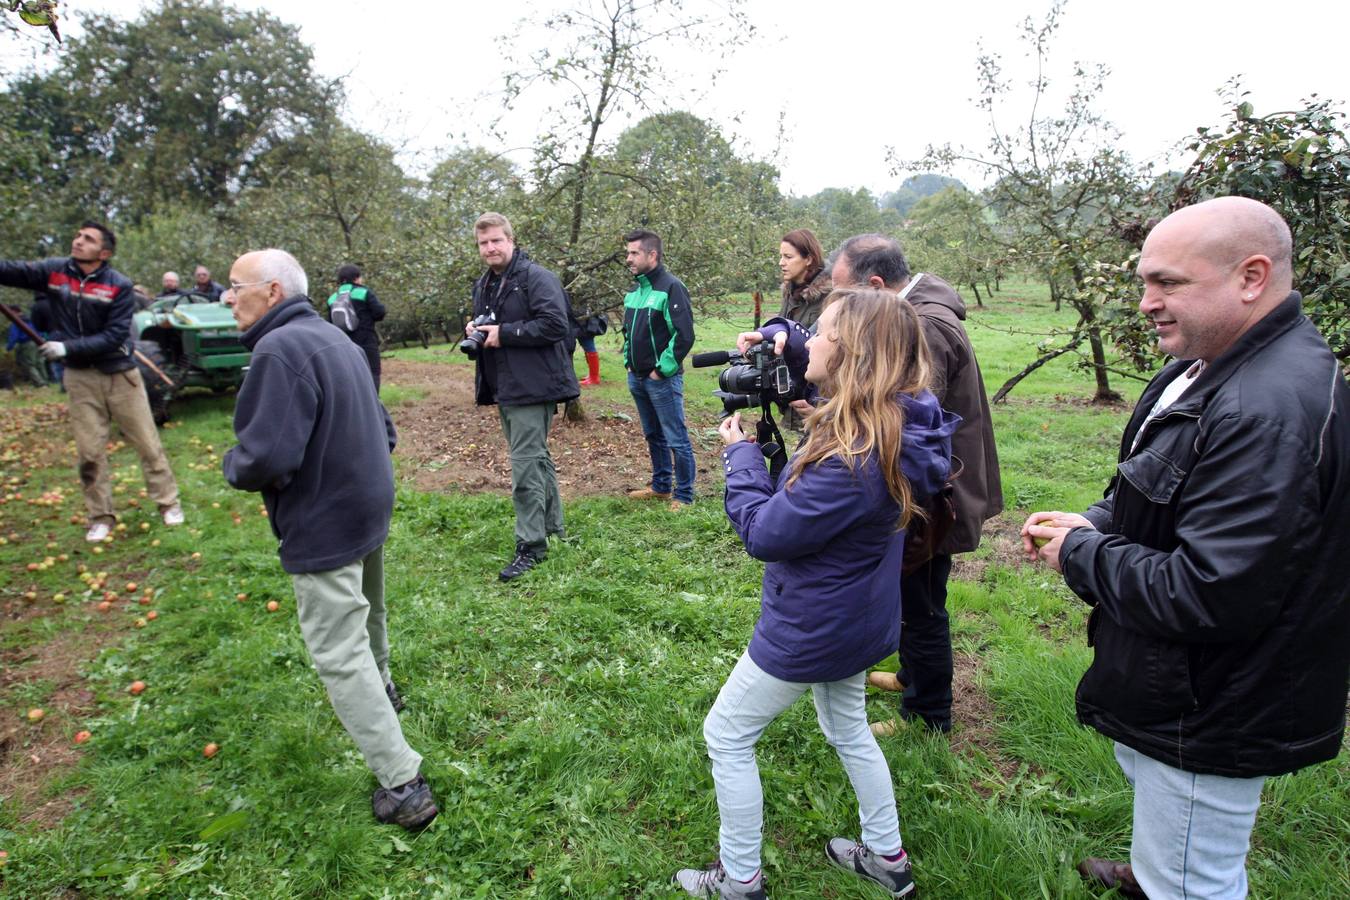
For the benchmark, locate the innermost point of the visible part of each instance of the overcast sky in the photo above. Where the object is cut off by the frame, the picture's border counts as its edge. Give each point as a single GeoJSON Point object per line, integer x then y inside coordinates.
{"type": "Point", "coordinates": [849, 79]}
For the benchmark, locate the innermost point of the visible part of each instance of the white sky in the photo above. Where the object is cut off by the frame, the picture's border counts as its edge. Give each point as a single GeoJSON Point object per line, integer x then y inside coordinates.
{"type": "Point", "coordinates": [849, 79]}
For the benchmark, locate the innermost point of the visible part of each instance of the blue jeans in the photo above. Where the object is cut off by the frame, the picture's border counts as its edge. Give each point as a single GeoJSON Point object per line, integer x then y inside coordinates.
{"type": "Point", "coordinates": [1191, 832]}
{"type": "Point", "coordinates": [747, 703]}
{"type": "Point", "coordinates": [660, 406]}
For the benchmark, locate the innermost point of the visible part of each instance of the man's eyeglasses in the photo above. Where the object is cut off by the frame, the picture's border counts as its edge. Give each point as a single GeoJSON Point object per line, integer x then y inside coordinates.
{"type": "Point", "coordinates": [235, 287]}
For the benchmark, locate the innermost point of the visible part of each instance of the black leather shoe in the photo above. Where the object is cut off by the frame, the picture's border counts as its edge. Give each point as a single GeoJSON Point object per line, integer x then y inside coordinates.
{"type": "Point", "coordinates": [1111, 874]}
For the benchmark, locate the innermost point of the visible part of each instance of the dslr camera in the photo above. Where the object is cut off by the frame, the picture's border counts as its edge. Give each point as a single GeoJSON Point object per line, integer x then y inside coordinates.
{"type": "Point", "coordinates": [472, 345]}
{"type": "Point", "coordinates": [754, 378]}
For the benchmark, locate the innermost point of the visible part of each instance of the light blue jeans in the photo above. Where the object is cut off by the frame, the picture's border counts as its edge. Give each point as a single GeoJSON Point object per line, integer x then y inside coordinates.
{"type": "Point", "coordinates": [660, 406]}
{"type": "Point", "coordinates": [1191, 832]}
{"type": "Point", "coordinates": [747, 703]}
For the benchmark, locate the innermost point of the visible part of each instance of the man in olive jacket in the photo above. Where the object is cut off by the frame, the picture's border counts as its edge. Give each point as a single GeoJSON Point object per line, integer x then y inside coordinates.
{"type": "Point", "coordinates": [925, 676]}
{"type": "Point", "coordinates": [1218, 564]}
{"type": "Point", "coordinates": [524, 368]}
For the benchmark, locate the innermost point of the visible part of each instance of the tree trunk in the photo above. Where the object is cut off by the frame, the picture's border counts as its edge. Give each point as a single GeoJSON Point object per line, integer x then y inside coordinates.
{"type": "Point", "coordinates": [1054, 295]}
{"type": "Point", "coordinates": [1104, 393]}
{"type": "Point", "coordinates": [976, 288]}
{"type": "Point", "coordinates": [1012, 382]}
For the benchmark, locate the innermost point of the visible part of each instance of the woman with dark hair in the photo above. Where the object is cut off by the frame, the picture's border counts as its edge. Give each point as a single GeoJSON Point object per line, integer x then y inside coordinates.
{"type": "Point", "coordinates": [832, 532]}
{"type": "Point", "coordinates": [806, 284]}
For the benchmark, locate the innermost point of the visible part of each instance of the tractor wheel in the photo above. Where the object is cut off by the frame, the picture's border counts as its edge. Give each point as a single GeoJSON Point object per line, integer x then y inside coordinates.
{"type": "Point", "coordinates": [156, 391]}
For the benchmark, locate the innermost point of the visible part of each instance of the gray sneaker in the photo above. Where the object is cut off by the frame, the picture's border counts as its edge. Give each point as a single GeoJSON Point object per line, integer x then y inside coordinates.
{"type": "Point", "coordinates": [410, 805]}
{"type": "Point", "coordinates": [714, 882]}
{"type": "Point", "coordinates": [859, 859]}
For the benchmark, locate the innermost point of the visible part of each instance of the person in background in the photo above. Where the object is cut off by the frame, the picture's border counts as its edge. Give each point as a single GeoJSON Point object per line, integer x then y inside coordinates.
{"type": "Point", "coordinates": [202, 284]}
{"type": "Point", "coordinates": [41, 319]}
{"type": "Point", "coordinates": [89, 332]}
{"type": "Point", "coordinates": [925, 676]}
{"type": "Point", "coordinates": [524, 369]}
{"type": "Point", "coordinates": [26, 357]}
{"type": "Point", "coordinates": [831, 530]}
{"type": "Point", "coordinates": [658, 332]}
{"type": "Point", "coordinates": [170, 282]}
{"type": "Point", "coordinates": [369, 310]}
{"type": "Point", "coordinates": [806, 282]}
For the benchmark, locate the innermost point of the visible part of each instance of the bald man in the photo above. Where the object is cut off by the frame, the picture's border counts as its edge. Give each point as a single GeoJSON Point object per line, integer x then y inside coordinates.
{"type": "Point", "coordinates": [1218, 564]}
{"type": "Point", "coordinates": [315, 442]}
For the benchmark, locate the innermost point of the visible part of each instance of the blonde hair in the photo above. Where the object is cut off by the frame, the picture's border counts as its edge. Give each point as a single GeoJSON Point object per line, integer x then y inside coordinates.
{"type": "Point", "coordinates": [494, 220]}
{"type": "Point", "coordinates": [881, 354]}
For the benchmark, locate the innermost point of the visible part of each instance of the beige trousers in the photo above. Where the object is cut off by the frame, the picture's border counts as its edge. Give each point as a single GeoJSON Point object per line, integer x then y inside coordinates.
{"type": "Point", "coordinates": [96, 399]}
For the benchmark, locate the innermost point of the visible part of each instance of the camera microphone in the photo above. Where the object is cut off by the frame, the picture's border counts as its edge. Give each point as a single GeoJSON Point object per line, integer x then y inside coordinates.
{"type": "Point", "coordinates": [715, 358]}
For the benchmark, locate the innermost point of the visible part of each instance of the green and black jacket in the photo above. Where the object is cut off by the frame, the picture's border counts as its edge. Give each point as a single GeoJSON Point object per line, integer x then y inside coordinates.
{"type": "Point", "coordinates": [369, 310]}
{"type": "Point", "coordinates": [658, 325]}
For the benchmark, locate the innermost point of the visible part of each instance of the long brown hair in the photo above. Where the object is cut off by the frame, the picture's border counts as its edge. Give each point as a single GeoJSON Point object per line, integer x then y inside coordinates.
{"type": "Point", "coordinates": [806, 245]}
{"type": "Point", "coordinates": [881, 353]}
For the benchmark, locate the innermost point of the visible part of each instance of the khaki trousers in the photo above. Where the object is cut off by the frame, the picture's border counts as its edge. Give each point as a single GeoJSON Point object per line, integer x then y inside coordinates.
{"type": "Point", "coordinates": [95, 399]}
{"type": "Point", "coordinates": [342, 619]}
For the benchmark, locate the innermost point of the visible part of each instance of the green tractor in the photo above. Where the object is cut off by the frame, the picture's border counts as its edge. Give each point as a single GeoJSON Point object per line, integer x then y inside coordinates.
{"type": "Point", "coordinates": [187, 340]}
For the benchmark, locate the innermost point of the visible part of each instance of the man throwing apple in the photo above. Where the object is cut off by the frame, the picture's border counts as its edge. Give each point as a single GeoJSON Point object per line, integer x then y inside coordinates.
{"type": "Point", "coordinates": [1218, 564]}
{"type": "Point", "coordinates": [315, 441]}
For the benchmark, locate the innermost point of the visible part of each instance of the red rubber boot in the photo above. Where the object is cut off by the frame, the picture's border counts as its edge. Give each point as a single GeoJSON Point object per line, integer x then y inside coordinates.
{"type": "Point", "coordinates": [593, 365]}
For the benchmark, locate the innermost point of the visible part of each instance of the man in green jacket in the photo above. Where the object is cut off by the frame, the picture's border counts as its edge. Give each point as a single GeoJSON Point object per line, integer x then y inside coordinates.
{"type": "Point", "coordinates": [658, 330]}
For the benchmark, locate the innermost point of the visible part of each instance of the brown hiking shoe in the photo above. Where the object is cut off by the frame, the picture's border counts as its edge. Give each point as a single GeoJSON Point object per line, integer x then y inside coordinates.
{"type": "Point", "coordinates": [648, 494]}
{"type": "Point", "coordinates": [887, 681]}
{"type": "Point", "coordinates": [1111, 874]}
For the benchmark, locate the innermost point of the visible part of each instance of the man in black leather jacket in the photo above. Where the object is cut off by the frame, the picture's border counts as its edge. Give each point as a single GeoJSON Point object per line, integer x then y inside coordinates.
{"type": "Point", "coordinates": [1218, 564]}
{"type": "Point", "coordinates": [525, 369]}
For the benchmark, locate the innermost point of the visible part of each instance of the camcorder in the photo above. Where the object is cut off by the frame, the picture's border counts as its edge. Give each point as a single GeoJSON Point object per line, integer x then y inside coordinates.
{"type": "Point", "coordinates": [756, 377]}
{"type": "Point", "coordinates": [472, 345]}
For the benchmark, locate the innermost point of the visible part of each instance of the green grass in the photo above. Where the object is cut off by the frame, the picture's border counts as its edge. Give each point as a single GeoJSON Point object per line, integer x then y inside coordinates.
{"type": "Point", "coordinates": [560, 717]}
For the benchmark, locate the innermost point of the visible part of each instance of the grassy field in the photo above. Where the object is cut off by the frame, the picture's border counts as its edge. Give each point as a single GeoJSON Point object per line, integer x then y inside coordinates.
{"type": "Point", "coordinates": [559, 716]}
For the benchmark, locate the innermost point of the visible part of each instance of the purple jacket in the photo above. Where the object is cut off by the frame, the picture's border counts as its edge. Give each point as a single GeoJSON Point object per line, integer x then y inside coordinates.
{"type": "Point", "coordinates": [830, 604]}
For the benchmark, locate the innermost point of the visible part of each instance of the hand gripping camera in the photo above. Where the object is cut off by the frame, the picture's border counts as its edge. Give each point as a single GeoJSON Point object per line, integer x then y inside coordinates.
{"type": "Point", "coordinates": [756, 378]}
{"type": "Point", "coordinates": [472, 345]}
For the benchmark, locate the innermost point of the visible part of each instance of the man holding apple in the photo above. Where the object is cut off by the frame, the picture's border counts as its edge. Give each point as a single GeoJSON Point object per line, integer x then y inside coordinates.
{"type": "Point", "coordinates": [1218, 564]}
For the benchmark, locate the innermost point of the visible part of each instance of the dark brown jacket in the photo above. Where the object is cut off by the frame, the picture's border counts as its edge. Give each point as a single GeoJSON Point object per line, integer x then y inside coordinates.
{"type": "Point", "coordinates": [959, 386]}
{"type": "Point", "coordinates": [802, 302]}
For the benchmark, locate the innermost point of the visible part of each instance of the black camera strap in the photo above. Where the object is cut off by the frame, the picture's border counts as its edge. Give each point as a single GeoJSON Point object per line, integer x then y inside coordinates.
{"type": "Point", "coordinates": [771, 442]}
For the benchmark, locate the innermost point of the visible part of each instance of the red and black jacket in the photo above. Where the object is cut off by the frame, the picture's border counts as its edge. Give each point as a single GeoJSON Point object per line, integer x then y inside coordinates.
{"type": "Point", "coordinates": [90, 314]}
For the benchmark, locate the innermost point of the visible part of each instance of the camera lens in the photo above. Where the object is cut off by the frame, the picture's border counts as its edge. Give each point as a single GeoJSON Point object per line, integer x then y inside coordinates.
{"type": "Point", "coordinates": [739, 379]}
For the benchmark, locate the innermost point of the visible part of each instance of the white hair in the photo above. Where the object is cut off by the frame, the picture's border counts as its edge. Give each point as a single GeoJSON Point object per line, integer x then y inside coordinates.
{"type": "Point", "coordinates": [279, 266]}
{"type": "Point", "coordinates": [173, 275]}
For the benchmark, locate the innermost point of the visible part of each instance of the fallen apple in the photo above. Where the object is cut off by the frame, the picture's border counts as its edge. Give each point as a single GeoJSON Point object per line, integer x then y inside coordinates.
{"type": "Point", "coordinates": [36, 714]}
{"type": "Point", "coordinates": [210, 750]}
{"type": "Point", "coordinates": [151, 616]}
{"type": "Point", "coordinates": [136, 687]}
{"type": "Point", "coordinates": [82, 736]}
{"type": "Point", "coordinates": [273, 606]}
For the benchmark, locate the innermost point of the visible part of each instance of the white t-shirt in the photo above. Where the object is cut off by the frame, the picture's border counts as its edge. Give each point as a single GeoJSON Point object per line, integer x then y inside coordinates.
{"type": "Point", "coordinates": [1171, 394]}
